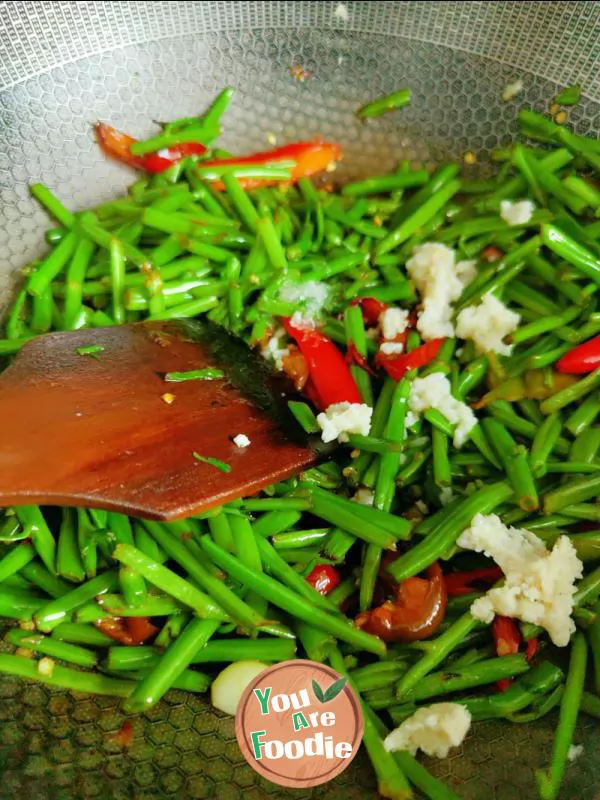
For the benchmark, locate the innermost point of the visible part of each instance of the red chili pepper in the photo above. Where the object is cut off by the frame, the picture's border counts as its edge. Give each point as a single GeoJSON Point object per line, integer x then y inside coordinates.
{"type": "Point", "coordinates": [532, 648]}
{"type": "Point", "coordinates": [118, 145]}
{"type": "Point", "coordinates": [153, 162]}
{"type": "Point", "coordinates": [354, 357]}
{"type": "Point", "coordinates": [461, 583]}
{"type": "Point", "coordinates": [140, 629]}
{"type": "Point", "coordinates": [310, 390]}
{"type": "Point", "coordinates": [581, 359]}
{"type": "Point", "coordinates": [116, 628]}
{"type": "Point", "coordinates": [324, 578]}
{"type": "Point", "coordinates": [310, 158]}
{"type": "Point", "coordinates": [397, 366]}
{"type": "Point", "coordinates": [125, 735]}
{"type": "Point", "coordinates": [371, 308]}
{"type": "Point", "coordinates": [507, 639]}
{"type": "Point", "coordinates": [127, 630]}
{"type": "Point", "coordinates": [327, 368]}
{"type": "Point", "coordinates": [491, 254]}
{"type": "Point", "coordinates": [506, 636]}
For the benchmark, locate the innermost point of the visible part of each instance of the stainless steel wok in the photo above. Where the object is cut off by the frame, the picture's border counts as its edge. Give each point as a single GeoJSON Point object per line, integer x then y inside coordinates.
{"type": "Point", "coordinates": [65, 65]}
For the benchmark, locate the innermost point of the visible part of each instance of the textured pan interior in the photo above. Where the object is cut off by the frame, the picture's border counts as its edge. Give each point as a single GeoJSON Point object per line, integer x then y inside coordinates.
{"type": "Point", "coordinates": [65, 65]}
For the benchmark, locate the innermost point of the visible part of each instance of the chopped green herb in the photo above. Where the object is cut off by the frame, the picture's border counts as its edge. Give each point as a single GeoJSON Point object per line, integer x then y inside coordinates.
{"type": "Point", "coordinates": [208, 374]}
{"type": "Point", "coordinates": [569, 96]}
{"type": "Point", "coordinates": [91, 350]}
{"type": "Point", "coordinates": [214, 462]}
{"type": "Point", "coordinates": [385, 104]}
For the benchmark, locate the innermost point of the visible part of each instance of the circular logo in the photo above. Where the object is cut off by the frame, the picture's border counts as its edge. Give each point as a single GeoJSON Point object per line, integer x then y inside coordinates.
{"type": "Point", "coordinates": [299, 723]}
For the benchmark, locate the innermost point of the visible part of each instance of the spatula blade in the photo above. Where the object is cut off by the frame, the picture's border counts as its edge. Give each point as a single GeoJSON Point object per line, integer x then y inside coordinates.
{"type": "Point", "coordinates": [98, 431]}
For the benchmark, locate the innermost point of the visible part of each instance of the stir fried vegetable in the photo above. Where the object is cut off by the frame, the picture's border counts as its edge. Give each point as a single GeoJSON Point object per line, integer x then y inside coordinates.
{"type": "Point", "coordinates": [438, 328]}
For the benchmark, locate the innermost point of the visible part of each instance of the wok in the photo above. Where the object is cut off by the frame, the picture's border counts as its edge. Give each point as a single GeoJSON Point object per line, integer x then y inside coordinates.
{"type": "Point", "coordinates": [65, 65]}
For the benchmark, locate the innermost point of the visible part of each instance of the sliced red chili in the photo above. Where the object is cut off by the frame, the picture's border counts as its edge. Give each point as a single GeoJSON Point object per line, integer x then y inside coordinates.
{"type": "Point", "coordinates": [124, 736]}
{"type": "Point", "coordinates": [581, 359]}
{"type": "Point", "coordinates": [397, 366]}
{"type": "Point", "coordinates": [309, 158]}
{"type": "Point", "coordinates": [324, 578]}
{"type": "Point", "coordinates": [116, 628]}
{"type": "Point", "coordinates": [354, 357]}
{"type": "Point", "coordinates": [310, 390]}
{"type": "Point", "coordinates": [491, 254]}
{"type": "Point", "coordinates": [462, 583]}
{"type": "Point", "coordinates": [118, 145]}
{"type": "Point", "coordinates": [163, 159]}
{"type": "Point", "coordinates": [532, 648]}
{"type": "Point", "coordinates": [371, 308]}
{"type": "Point", "coordinates": [327, 368]}
{"type": "Point", "coordinates": [140, 629]}
{"type": "Point", "coordinates": [507, 639]}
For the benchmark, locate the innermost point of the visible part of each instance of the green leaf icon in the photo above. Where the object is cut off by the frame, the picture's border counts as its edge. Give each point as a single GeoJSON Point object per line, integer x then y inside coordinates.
{"type": "Point", "coordinates": [335, 688]}
{"type": "Point", "coordinates": [318, 692]}
{"type": "Point", "coordinates": [329, 694]}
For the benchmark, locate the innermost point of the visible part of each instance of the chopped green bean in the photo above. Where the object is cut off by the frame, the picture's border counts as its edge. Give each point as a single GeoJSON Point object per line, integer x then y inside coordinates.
{"type": "Point", "coordinates": [549, 782]}
{"type": "Point", "coordinates": [383, 105]}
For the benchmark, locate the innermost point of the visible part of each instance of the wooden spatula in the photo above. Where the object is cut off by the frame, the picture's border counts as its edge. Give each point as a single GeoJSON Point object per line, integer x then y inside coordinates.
{"type": "Point", "coordinates": [96, 430]}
